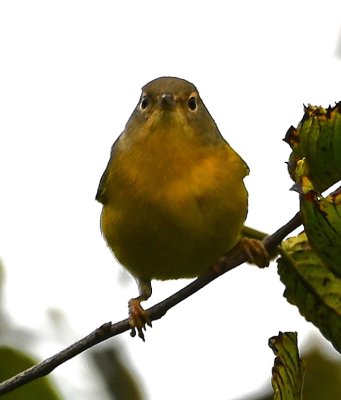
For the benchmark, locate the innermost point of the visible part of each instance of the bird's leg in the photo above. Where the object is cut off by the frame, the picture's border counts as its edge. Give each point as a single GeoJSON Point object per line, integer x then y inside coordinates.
{"type": "Point", "coordinates": [138, 318]}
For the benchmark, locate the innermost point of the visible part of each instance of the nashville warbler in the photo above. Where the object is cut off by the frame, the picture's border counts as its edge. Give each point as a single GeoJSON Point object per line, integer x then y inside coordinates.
{"type": "Point", "coordinates": [173, 195]}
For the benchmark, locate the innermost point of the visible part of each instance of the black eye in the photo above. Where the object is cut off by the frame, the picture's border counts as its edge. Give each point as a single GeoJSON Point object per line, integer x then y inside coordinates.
{"type": "Point", "coordinates": [144, 102]}
{"type": "Point", "coordinates": [192, 103]}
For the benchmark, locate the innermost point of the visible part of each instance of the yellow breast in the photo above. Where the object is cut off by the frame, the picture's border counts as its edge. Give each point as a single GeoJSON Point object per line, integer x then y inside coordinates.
{"type": "Point", "coordinates": [173, 209]}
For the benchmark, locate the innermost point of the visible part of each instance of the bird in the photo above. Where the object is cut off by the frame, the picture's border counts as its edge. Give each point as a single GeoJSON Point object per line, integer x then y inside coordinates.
{"type": "Point", "coordinates": [173, 192]}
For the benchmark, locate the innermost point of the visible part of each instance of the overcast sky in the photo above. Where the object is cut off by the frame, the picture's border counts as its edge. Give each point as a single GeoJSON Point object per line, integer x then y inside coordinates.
{"type": "Point", "coordinates": [70, 76]}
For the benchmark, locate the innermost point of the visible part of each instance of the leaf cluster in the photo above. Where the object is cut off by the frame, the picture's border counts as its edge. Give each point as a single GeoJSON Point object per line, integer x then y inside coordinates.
{"type": "Point", "coordinates": [310, 263]}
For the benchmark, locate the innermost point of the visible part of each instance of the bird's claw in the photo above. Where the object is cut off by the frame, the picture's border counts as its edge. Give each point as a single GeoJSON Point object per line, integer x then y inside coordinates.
{"type": "Point", "coordinates": [138, 318]}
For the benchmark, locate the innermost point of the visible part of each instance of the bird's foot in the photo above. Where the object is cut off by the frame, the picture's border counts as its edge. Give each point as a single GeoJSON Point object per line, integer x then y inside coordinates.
{"type": "Point", "coordinates": [255, 252]}
{"type": "Point", "coordinates": [138, 318]}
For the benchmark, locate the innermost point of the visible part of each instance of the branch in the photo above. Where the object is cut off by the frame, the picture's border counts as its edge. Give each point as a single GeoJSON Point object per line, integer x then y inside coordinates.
{"type": "Point", "coordinates": [108, 330]}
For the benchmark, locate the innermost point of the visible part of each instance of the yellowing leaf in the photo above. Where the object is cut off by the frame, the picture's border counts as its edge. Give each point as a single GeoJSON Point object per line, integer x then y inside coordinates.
{"type": "Point", "coordinates": [288, 370]}
{"type": "Point", "coordinates": [311, 286]}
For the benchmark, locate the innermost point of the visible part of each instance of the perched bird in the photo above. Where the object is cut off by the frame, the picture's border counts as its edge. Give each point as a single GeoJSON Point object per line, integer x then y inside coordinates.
{"type": "Point", "coordinates": [173, 195]}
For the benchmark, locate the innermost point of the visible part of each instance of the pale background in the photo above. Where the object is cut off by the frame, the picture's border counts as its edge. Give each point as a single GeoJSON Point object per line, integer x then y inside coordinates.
{"type": "Point", "coordinates": [70, 76]}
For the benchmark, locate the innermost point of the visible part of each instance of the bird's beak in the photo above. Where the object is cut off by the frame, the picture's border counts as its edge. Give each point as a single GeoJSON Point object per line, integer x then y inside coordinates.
{"type": "Point", "coordinates": [167, 101]}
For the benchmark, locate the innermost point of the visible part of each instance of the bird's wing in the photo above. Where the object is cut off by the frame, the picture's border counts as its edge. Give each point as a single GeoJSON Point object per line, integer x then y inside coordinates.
{"type": "Point", "coordinates": [101, 191]}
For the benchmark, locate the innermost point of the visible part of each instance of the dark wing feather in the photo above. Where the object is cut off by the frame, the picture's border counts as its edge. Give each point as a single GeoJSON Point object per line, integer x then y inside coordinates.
{"type": "Point", "coordinates": [101, 191]}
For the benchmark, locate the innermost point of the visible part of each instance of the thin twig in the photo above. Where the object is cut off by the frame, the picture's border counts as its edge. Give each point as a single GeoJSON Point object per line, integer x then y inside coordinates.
{"type": "Point", "coordinates": [109, 329]}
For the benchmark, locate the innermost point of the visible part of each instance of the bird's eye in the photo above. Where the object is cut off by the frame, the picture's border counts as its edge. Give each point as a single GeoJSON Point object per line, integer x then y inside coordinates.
{"type": "Point", "coordinates": [144, 102]}
{"type": "Point", "coordinates": [192, 103]}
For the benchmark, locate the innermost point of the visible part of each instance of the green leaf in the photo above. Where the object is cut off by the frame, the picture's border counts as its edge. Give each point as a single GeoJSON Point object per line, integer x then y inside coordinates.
{"type": "Point", "coordinates": [288, 370]}
{"type": "Point", "coordinates": [119, 376]}
{"type": "Point", "coordinates": [322, 223]}
{"type": "Point", "coordinates": [317, 138]}
{"type": "Point", "coordinates": [13, 361]}
{"type": "Point", "coordinates": [322, 378]}
{"type": "Point", "coordinates": [311, 286]}
{"type": "Point", "coordinates": [321, 218]}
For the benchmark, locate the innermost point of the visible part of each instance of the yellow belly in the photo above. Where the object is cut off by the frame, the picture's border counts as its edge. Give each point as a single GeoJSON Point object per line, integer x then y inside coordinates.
{"type": "Point", "coordinates": [178, 227]}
